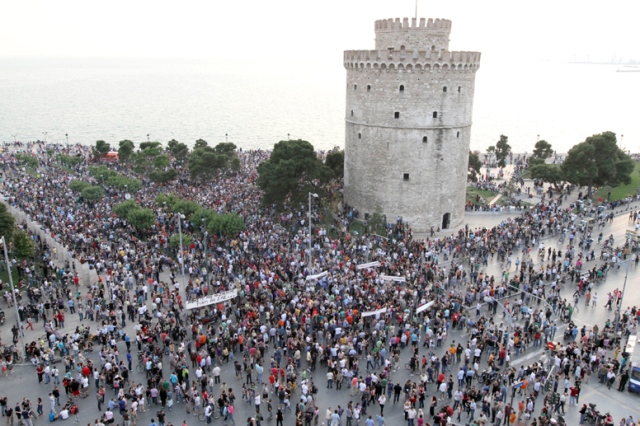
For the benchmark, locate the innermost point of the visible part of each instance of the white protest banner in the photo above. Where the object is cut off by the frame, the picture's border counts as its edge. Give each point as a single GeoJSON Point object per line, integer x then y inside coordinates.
{"type": "Point", "coordinates": [212, 298]}
{"type": "Point", "coordinates": [392, 278]}
{"type": "Point", "coordinates": [317, 276]}
{"type": "Point", "coordinates": [367, 265]}
{"type": "Point", "coordinates": [379, 311]}
{"type": "Point", "coordinates": [425, 306]}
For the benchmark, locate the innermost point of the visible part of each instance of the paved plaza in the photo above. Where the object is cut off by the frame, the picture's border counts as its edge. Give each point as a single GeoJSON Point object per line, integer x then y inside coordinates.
{"type": "Point", "coordinates": [23, 383]}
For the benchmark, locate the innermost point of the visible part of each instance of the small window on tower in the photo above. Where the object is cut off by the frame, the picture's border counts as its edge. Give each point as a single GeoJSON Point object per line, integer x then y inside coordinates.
{"type": "Point", "coordinates": [457, 134]}
{"type": "Point", "coordinates": [396, 114]}
{"type": "Point", "coordinates": [359, 135]}
{"type": "Point", "coordinates": [368, 87]}
{"type": "Point", "coordinates": [459, 89]}
{"type": "Point", "coordinates": [405, 176]}
{"type": "Point", "coordinates": [444, 89]}
{"type": "Point", "coordinates": [435, 114]}
{"type": "Point", "coordinates": [424, 139]}
{"type": "Point", "coordinates": [355, 86]}
{"type": "Point", "coordinates": [401, 88]}
{"type": "Point", "coordinates": [352, 113]}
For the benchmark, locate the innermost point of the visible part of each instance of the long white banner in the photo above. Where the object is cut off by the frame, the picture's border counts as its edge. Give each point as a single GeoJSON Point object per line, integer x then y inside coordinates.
{"type": "Point", "coordinates": [425, 307]}
{"type": "Point", "coordinates": [393, 278]}
{"type": "Point", "coordinates": [367, 265]}
{"type": "Point", "coordinates": [379, 311]}
{"type": "Point", "coordinates": [317, 276]}
{"type": "Point", "coordinates": [212, 298]}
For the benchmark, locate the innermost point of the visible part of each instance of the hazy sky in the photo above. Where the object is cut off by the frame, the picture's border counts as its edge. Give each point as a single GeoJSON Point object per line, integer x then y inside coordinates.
{"type": "Point", "coordinates": [293, 30]}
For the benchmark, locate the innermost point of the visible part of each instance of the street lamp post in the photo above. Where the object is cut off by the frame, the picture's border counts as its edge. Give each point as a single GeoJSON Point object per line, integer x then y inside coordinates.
{"type": "Point", "coordinates": [288, 136]}
{"type": "Point", "coordinates": [147, 137]}
{"type": "Point", "coordinates": [14, 138]}
{"type": "Point", "coordinates": [45, 136]}
{"type": "Point", "coordinates": [180, 217]}
{"type": "Point", "coordinates": [13, 295]}
{"type": "Point", "coordinates": [314, 195]}
{"type": "Point", "coordinates": [67, 136]}
{"type": "Point", "coordinates": [204, 231]}
{"type": "Point", "coordinates": [226, 137]}
{"type": "Point", "coordinates": [624, 287]}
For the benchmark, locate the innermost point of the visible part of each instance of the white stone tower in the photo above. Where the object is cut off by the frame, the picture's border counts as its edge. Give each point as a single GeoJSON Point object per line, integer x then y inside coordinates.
{"type": "Point", "coordinates": [408, 124]}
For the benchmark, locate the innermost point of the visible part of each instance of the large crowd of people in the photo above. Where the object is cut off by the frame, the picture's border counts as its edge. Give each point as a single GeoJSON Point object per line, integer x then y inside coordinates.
{"type": "Point", "coordinates": [297, 311]}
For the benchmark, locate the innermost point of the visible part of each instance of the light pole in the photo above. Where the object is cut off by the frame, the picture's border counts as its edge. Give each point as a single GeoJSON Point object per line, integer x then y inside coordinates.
{"type": "Point", "coordinates": [45, 136]}
{"type": "Point", "coordinates": [537, 138]}
{"type": "Point", "coordinates": [13, 295]}
{"type": "Point", "coordinates": [226, 137]}
{"type": "Point", "coordinates": [288, 136]}
{"type": "Point", "coordinates": [147, 137]}
{"type": "Point", "coordinates": [180, 216]}
{"type": "Point", "coordinates": [204, 231]}
{"type": "Point", "coordinates": [14, 138]}
{"type": "Point", "coordinates": [314, 195]}
{"type": "Point", "coordinates": [67, 136]}
{"type": "Point", "coordinates": [624, 287]}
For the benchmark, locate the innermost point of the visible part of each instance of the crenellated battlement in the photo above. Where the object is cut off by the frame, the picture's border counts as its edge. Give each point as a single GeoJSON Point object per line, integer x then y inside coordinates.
{"type": "Point", "coordinates": [406, 24]}
{"type": "Point", "coordinates": [402, 59]}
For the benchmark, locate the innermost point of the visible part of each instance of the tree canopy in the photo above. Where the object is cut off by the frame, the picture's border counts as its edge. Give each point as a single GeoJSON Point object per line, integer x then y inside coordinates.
{"type": "Point", "coordinates": [23, 244]}
{"type": "Point", "coordinates": [125, 151]}
{"type": "Point", "coordinates": [101, 149]}
{"type": "Point", "coordinates": [290, 172]}
{"type": "Point", "coordinates": [474, 167]}
{"type": "Point", "coordinates": [7, 223]}
{"type": "Point", "coordinates": [551, 173]}
{"type": "Point", "coordinates": [598, 161]}
{"type": "Point", "coordinates": [142, 218]}
{"type": "Point", "coordinates": [92, 193]}
{"type": "Point", "coordinates": [542, 150]}
{"type": "Point", "coordinates": [502, 150]}
{"type": "Point", "coordinates": [335, 161]}
{"type": "Point", "coordinates": [205, 162]}
{"type": "Point", "coordinates": [179, 150]}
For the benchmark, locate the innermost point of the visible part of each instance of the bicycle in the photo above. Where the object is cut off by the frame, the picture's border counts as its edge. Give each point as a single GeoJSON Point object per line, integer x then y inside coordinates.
{"type": "Point", "coordinates": [215, 413]}
{"type": "Point", "coordinates": [140, 368]}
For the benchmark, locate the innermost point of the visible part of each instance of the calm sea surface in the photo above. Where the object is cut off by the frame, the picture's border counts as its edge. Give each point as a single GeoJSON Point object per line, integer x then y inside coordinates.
{"type": "Point", "coordinates": [258, 104]}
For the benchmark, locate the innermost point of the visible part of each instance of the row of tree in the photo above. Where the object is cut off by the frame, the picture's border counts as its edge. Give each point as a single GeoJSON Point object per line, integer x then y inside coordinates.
{"type": "Point", "coordinates": [153, 161]}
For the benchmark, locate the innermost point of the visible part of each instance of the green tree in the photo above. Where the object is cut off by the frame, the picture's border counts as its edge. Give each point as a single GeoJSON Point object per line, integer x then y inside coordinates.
{"type": "Point", "coordinates": [166, 199]}
{"type": "Point", "coordinates": [186, 207]}
{"type": "Point", "coordinates": [23, 245]}
{"type": "Point", "coordinates": [147, 145]}
{"type": "Point", "coordinates": [474, 167]}
{"type": "Point", "coordinates": [502, 150]}
{"type": "Point", "coordinates": [290, 172]}
{"type": "Point", "coordinates": [377, 222]}
{"type": "Point", "coordinates": [78, 185]}
{"type": "Point", "coordinates": [68, 160]}
{"type": "Point", "coordinates": [123, 209]}
{"type": "Point", "coordinates": [227, 224]}
{"type": "Point", "coordinates": [27, 160]}
{"type": "Point", "coordinates": [542, 150]}
{"type": "Point", "coordinates": [551, 173]}
{"type": "Point", "coordinates": [125, 151]}
{"type": "Point", "coordinates": [235, 164]}
{"type": "Point", "coordinates": [205, 162]}
{"type": "Point", "coordinates": [179, 150]}
{"type": "Point", "coordinates": [174, 241]}
{"type": "Point", "coordinates": [101, 149]}
{"type": "Point", "coordinates": [200, 143]}
{"type": "Point", "coordinates": [203, 217]}
{"type": "Point", "coordinates": [92, 193]}
{"type": "Point", "coordinates": [142, 219]}
{"type": "Point", "coordinates": [7, 223]}
{"type": "Point", "coordinates": [598, 161]}
{"type": "Point", "coordinates": [335, 161]}
{"type": "Point", "coordinates": [159, 176]}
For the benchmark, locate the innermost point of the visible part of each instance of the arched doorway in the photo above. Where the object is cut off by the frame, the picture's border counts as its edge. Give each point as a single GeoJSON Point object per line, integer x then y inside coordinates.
{"type": "Point", "coordinates": [446, 218]}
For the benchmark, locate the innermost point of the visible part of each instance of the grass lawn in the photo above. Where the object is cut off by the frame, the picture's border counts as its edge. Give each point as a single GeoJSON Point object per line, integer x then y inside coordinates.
{"type": "Point", "coordinates": [622, 191]}
{"type": "Point", "coordinates": [472, 192]}
{"type": "Point", "coordinates": [4, 276]}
